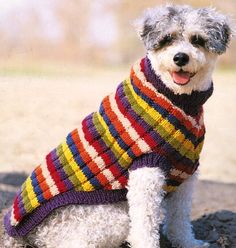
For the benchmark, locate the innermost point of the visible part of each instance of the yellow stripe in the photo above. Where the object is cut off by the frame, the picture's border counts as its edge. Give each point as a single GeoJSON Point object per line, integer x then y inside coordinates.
{"type": "Point", "coordinates": [85, 184]}
{"type": "Point", "coordinates": [31, 195]}
{"type": "Point", "coordinates": [184, 147]}
{"type": "Point", "coordinates": [113, 141]}
{"type": "Point", "coordinates": [169, 188]}
{"type": "Point", "coordinates": [199, 149]}
{"type": "Point", "coordinates": [138, 71]}
{"type": "Point", "coordinates": [153, 113]}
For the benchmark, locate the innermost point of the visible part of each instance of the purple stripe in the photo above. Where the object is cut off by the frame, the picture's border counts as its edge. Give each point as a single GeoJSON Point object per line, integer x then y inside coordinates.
{"type": "Point", "coordinates": [61, 172]}
{"type": "Point", "coordinates": [70, 197]}
{"type": "Point", "coordinates": [152, 160]}
{"type": "Point", "coordinates": [21, 207]}
{"type": "Point", "coordinates": [191, 104]}
{"type": "Point", "coordinates": [149, 129]}
{"type": "Point", "coordinates": [103, 148]}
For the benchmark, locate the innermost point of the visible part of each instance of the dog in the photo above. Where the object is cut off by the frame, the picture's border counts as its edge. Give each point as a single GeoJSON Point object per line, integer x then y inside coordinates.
{"type": "Point", "coordinates": [157, 150]}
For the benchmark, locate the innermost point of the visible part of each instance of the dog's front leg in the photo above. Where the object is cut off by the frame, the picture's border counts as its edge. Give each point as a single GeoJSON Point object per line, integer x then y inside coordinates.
{"type": "Point", "coordinates": [144, 197]}
{"type": "Point", "coordinates": [177, 227]}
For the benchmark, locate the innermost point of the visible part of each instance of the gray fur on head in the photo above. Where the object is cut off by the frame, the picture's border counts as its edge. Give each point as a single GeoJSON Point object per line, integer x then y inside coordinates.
{"type": "Point", "coordinates": [158, 24]}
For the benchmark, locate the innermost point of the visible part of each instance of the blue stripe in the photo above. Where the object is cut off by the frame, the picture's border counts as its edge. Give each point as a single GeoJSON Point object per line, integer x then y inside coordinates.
{"type": "Point", "coordinates": [171, 118]}
{"type": "Point", "coordinates": [36, 188]}
{"type": "Point", "coordinates": [85, 169]}
{"type": "Point", "coordinates": [115, 133]}
{"type": "Point", "coordinates": [171, 152]}
{"type": "Point", "coordinates": [74, 151]}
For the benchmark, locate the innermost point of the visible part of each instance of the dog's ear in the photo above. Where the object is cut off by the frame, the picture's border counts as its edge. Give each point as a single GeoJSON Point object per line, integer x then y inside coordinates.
{"type": "Point", "coordinates": [146, 29]}
{"type": "Point", "coordinates": [155, 22]}
{"type": "Point", "coordinates": [219, 29]}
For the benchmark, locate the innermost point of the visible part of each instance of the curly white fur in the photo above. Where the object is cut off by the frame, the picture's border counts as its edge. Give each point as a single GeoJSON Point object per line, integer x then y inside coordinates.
{"type": "Point", "coordinates": [201, 62]}
{"type": "Point", "coordinates": [145, 196]}
{"type": "Point", "coordinates": [107, 226]}
{"type": "Point", "coordinates": [177, 225]}
{"type": "Point", "coordinates": [100, 226]}
{"type": "Point", "coordinates": [182, 23]}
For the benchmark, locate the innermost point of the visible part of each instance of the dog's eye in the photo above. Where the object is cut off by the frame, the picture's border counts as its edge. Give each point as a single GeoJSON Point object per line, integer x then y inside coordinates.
{"type": "Point", "coordinates": [166, 40]}
{"type": "Point", "coordinates": [197, 40]}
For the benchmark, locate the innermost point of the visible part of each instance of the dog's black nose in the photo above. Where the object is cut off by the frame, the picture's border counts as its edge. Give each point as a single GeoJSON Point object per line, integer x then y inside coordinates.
{"type": "Point", "coordinates": [181, 59]}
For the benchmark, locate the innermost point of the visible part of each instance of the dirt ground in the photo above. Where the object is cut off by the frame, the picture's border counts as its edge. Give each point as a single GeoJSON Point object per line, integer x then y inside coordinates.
{"type": "Point", "coordinates": [214, 210]}
{"type": "Point", "coordinates": [37, 113]}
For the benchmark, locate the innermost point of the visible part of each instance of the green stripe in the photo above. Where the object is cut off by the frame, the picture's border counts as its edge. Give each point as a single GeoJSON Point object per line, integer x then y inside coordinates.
{"type": "Point", "coordinates": [102, 131]}
{"type": "Point", "coordinates": [143, 113]}
{"type": "Point", "coordinates": [67, 167]}
{"type": "Point", "coordinates": [24, 195]}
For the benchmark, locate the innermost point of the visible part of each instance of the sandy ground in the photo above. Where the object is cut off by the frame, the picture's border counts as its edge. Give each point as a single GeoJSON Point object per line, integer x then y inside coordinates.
{"type": "Point", "coordinates": [214, 220]}
{"type": "Point", "coordinates": [36, 113]}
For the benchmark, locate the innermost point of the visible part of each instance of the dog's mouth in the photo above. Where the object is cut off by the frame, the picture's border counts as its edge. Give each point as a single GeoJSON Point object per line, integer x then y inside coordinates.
{"type": "Point", "coordinates": [181, 77]}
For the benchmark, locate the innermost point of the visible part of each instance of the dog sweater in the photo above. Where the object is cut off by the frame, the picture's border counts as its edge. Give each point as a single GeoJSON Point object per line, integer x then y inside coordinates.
{"type": "Point", "coordinates": [142, 124]}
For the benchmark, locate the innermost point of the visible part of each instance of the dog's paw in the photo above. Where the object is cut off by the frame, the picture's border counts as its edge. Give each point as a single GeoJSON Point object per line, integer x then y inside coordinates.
{"type": "Point", "coordinates": [200, 244]}
{"type": "Point", "coordinates": [195, 244]}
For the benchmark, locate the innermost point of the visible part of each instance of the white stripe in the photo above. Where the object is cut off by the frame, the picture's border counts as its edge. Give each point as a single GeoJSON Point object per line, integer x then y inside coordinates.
{"type": "Point", "coordinates": [141, 76]}
{"type": "Point", "coordinates": [116, 185]}
{"type": "Point", "coordinates": [175, 172]}
{"type": "Point", "coordinates": [144, 147]}
{"type": "Point", "coordinates": [107, 173]}
{"type": "Point", "coordinates": [178, 173]}
{"type": "Point", "coordinates": [94, 155]}
{"type": "Point", "coordinates": [100, 162]}
{"type": "Point", "coordinates": [201, 120]}
{"type": "Point", "coordinates": [184, 175]}
{"type": "Point", "coordinates": [14, 222]}
{"type": "Point", "coordinates": [50, 182]}
{"type": "Point", "coordinates": [89, 149]}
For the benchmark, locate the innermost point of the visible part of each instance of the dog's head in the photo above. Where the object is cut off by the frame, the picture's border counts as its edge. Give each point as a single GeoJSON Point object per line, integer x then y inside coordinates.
{"type": "Point", "coordinates": [183, 44]}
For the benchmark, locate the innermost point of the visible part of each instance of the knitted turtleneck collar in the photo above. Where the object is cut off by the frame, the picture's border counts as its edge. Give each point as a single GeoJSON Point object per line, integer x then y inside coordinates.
{"type": "Point", "coordinates": [191, 104]}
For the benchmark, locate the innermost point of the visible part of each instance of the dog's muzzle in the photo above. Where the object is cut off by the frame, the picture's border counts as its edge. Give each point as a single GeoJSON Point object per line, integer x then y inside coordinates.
{"type": "Point", "coordinates": [181, 59]}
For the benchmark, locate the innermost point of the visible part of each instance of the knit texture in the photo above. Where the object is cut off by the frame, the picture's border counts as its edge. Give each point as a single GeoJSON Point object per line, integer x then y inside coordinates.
{"type": "Point", "coordinates": [135, 127]}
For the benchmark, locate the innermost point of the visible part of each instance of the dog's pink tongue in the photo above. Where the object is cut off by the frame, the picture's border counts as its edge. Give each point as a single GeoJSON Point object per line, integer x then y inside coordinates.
{"type": "Point", "coordinates": [181, 77]}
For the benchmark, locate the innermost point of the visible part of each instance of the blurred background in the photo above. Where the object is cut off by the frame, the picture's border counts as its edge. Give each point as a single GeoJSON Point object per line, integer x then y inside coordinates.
{"type": "Point", "coordinates": [78, 31]}
{"type": "Point", "coordinates": [58, 59]}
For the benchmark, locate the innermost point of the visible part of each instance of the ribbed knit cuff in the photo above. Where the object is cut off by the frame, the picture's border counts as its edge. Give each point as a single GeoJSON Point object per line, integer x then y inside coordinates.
{"type": "Point", "coordinates": [70, 197]}
{"type": "Point", "coordinates": [151, 160]}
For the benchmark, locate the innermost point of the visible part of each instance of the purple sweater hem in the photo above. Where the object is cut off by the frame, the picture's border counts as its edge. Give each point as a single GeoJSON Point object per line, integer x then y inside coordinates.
{"type": "Point", "coordinates": [70, 197]}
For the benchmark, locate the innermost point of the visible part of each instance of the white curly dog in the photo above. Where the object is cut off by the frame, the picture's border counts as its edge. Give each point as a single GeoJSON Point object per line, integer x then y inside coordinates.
{"type": "Point", "coordinates": [182, 45]}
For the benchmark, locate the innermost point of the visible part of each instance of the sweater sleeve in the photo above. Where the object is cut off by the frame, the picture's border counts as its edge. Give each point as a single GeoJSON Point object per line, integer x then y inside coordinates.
{"type": "Point", "coordinates": [151, 160]}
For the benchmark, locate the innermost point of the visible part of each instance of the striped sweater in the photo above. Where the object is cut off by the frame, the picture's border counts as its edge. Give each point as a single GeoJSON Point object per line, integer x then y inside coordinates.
{"type": "Point", "coordinates": [142, 124]}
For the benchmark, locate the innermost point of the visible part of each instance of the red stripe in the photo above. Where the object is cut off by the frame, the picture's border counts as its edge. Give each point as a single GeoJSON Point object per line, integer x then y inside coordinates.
{"type": "Point", "coordinates": [42, 183]}
{"type": "Point", "coordinates": [108, 187]}
{"type": "Point", "coordinates": [118, 175]}
{"type": "Point", "coordinates": [55, 175]}
{"type": "Point", "coordinates": [163, 103]}
{"type": "Point", "coordinates": [100, 148]}
{"type": "Point", "coordinates": [16, 210]}
{"type": "Point", "coordinates": [125, 136]}
{"type": "Point", "coordinates": [123, 181]}
{"type": "Point", "coordinates": [139, 129]}
{"type": "Point", "coordinates": [86, 157]}
{"type": "Point", "coordinates": [106, 158]}
{"type": "Point", "coordinates": [102, 179]}
{"type": "Point", "coordinates": [79, 145]}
